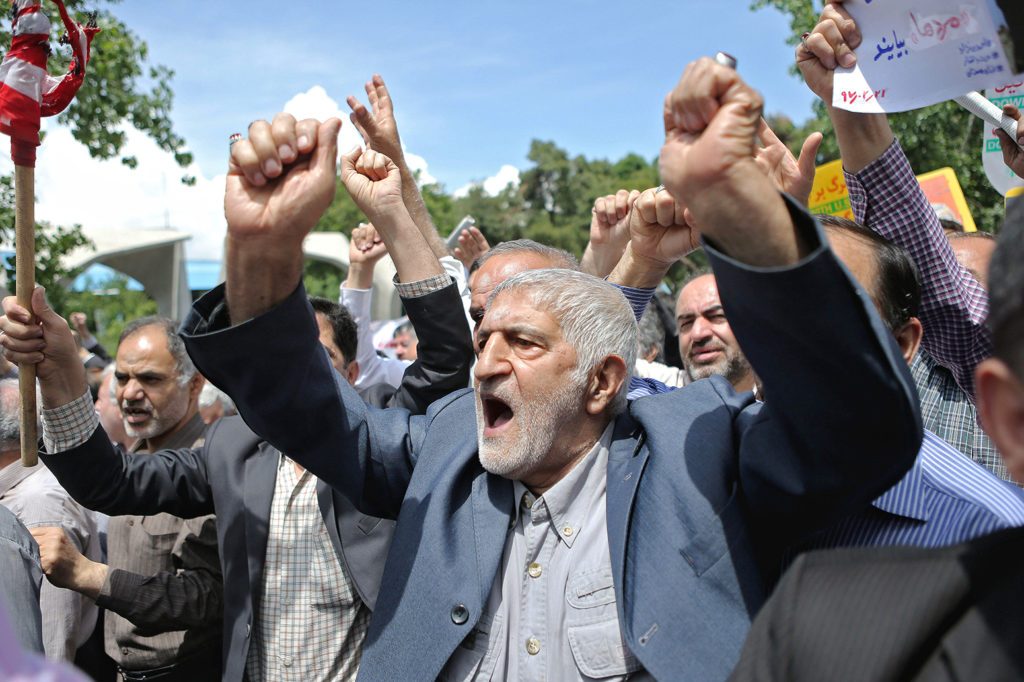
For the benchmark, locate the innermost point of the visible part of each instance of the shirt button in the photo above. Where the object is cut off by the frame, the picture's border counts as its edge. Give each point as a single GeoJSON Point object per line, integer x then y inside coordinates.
{"type": "Point", "coordinates": [124, 650]}
{"type": "Point", "coordinates": [534, 570]}
{"type": "Point", "coordinates": [527, 501]}
{"type": "Point", "coordinates": [289, 545]}
{"type": "Point", "coordinates": [532, 646]}
{"type": "Point", "coordinates": [131, 522]}
{"type": "Point", "coordinates": [248, 629]}
{"type": "Point", "coordinates": [287, 661]}
{"type": "Point", "coordinates": [460, 614]}
{"type": "Point", "coordinates": [567, 531]}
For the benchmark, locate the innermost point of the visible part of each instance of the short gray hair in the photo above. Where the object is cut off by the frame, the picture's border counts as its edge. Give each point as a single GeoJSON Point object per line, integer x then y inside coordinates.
{"type": "Point", "coordinates": [652, 332]}
{"type": "Point", "coordinates": [182, 362]}
{"type": "Point", "coordinates": [593, 315]}
{"type": "Point", "coordinates": [559, 258]}
{"type": "Point", "coordinates": [211, 394]}
{"type": "Point", "coordinates": [10, 411]}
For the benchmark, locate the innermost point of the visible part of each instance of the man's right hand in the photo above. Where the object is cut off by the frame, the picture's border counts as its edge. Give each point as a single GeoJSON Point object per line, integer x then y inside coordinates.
{"type": "Point", "coordinates": [829, 45]}
{"type": "Point", "coordinates": [609, 232]}
{"type": "Point", "coordinates": [46, 343]}
{"type": "Point", "coordinates": [1013, 155]}
{"type": "Point", "coordinates": [281, 180]}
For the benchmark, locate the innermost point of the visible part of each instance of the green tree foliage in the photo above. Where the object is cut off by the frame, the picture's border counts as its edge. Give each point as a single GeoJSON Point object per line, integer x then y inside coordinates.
{"type": "Point", "coordinates": [120, 89]}
{"type": "Point", "coordinates": [932, 138]}
{"type": "Point", "coordinates": [551, 204]}
{"type": "Point", "coordinates": [108, 304]}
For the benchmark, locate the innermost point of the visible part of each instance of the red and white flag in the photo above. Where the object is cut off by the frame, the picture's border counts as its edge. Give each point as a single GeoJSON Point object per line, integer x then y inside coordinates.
{"type": "Point", "coordinates": [26, 90]}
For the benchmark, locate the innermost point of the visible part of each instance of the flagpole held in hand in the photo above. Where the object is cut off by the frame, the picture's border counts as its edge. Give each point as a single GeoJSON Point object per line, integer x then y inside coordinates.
{"type": "Point", "coordinates": [27, 92]}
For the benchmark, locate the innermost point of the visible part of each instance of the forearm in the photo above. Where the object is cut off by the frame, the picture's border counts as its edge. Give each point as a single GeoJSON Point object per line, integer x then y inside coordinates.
{"type": "Point", "coordinates": [862, 138]}
{"type": "Point", "coordinates": [724, 215]}
{"type": "Point", "coordinates": [188, 597]}
{"type": "Point", "coordinates": [413, 258]}
{"type": "Point", "coordinates": [165, 601]}
{"type": "Point", "coordinates": [413, 199]}
{"type": "Point", "coordinates": [260, 274]}
{"type": "Point", "coordinates": [360, 276]}
{"type": "Point", "coordinates": [635, 271]}
{"type": "Point", "coordinates": [887, 198]}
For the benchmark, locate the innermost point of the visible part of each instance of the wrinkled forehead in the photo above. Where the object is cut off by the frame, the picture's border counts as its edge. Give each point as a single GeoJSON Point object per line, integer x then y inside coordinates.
{"type": "Point", "coordinates": [700, 293]}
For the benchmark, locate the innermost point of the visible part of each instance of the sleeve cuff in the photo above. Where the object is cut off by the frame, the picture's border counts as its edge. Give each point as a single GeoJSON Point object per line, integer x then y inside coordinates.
{"type": "Point", "coordinates": [422, 287]}
{"type": "Point", "coordinates": [68, 426]}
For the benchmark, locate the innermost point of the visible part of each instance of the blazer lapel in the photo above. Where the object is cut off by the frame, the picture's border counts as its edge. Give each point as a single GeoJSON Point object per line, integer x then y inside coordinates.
{"type": "Point", "coordinates": [626, 459]}
{"type": "Point", "coordinates": [493, 504]}
{"type": "Point", "coordinates": [260, 479]}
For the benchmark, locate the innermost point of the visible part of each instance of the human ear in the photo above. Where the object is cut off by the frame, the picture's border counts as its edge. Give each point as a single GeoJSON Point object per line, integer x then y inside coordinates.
{"type": "Point", "coordinates": [605, 383]}
{"type": "Point", "coordinates": [1000, 398]}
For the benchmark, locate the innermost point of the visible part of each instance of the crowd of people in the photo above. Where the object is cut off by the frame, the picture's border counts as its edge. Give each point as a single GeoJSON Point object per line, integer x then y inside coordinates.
{"type": "Point", "coordinates": [808, 468]}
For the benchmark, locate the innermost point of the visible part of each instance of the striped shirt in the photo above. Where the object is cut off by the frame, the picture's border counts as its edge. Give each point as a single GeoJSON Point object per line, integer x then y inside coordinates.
{"type": "Point", "coordinates": [944, 499]}
{"type": "Point", "coordinates": [641, 386]}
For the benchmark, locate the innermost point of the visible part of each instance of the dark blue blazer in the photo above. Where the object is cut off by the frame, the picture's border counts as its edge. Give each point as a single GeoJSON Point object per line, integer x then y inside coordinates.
{"type": "Point", "coordinates": [705, 486]}
{"type": "Point", "coordinates": [234, 473]}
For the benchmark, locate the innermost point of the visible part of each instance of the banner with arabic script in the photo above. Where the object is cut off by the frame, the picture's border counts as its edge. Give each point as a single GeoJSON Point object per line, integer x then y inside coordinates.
{"type": "Point", "coordinates": [919, 52]}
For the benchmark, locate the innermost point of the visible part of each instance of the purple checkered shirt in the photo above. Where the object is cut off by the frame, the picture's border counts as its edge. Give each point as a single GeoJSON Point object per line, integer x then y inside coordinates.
{"type": "Point", "coordinates": [886, 197]}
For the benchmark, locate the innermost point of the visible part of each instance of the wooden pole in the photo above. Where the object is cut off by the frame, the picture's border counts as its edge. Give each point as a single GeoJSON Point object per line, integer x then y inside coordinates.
{"type": "Point", "coordinates": [25, 263]}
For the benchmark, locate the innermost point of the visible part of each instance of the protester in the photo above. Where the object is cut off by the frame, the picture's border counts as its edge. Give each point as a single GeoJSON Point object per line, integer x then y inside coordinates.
{"type": "Point", "coordinates": [405, 342]}
{"type": "Point", "coordinates": [706, 342]}
{"type": "Point", "coordinates": [908, 613]}
{"type": "Point", "coordinates": [426, 470]}
{"type": "Point", "coordinates": [887, 198]}
{"type": "Point", "coordinates": [39, 502]}
{"type": "Point", "coordinates": [109, 410]}
{"type": "Point", "coordinates": [20, 580]}
{"type": "Point", "coordinates": [161, 587]}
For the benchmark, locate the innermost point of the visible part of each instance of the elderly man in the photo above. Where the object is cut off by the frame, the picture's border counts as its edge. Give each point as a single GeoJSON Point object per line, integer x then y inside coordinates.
{"type": "Point", "coordinates": [161, 586]}
{"type": "Point", "coordinates": [302, 578]}
{"type": "Point", "coordinates": [540, 527]}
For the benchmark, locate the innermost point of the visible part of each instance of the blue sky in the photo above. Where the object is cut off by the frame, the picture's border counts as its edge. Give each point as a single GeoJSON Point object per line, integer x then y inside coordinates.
{"type": "Point", "coordinates": [473, 83]}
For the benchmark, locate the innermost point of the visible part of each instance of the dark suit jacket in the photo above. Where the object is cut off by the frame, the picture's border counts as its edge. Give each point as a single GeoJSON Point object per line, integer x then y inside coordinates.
{"type": "Point", "coordinates": [704, 490]}
{"type": "Point", "coordinates": [895, 613]}
{"type": "Point", "coordinates": [234, 474]}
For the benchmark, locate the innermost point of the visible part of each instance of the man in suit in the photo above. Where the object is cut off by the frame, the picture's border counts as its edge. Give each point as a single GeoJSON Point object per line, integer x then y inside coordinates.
{"type": "Point", "coordinates": [701, 489]}
{"type": "Point", "coordinates": [275, 587]}
{"type": "Point", "coordinates": [898, 614]}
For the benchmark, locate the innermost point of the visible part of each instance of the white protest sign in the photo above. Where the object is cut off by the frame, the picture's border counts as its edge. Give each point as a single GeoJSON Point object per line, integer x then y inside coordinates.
{"type": "Point", "coordinates": [1002, 178]}
{"type": "Point", "coordinates": [919, 52]}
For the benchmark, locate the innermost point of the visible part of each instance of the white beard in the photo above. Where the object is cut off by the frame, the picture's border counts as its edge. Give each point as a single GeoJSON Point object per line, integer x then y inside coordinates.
{"type": "Point", "coordinates": [516, 453]}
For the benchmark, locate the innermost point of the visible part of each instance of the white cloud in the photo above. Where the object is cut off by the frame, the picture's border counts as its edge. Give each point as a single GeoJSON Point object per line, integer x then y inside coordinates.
{"type": "Point", "coordinates": [72, 187]}
{"type": "Point", "coordinates": [316, 103]}
{"type": "Point", "coordinates": [493, 185]}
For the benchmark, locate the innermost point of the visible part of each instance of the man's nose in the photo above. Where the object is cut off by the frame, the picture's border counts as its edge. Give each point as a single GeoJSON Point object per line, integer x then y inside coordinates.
{"type": "Point", "coordinates": [492, 359]}
{"type": "Point", "coordinates": [132, 390]}
{"type": "Point", "coordinates": [701, 330]}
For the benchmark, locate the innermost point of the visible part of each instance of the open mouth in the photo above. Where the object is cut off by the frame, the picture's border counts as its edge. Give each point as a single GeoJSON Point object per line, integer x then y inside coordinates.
{"type": "Point", "coordinates": [135, 415]}
{"type": "Point", "coordinates": [497, 415]}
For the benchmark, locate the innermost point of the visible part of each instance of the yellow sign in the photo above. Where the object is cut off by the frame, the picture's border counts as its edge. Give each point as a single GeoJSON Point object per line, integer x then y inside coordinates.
{"type": "Point", "coordinates": [941, 187]}
{"type": "Point", "coordinates": [829, 194]}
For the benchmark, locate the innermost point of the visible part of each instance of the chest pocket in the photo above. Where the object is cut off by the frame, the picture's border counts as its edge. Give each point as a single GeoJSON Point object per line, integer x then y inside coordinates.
{"type": "Point", "coordinates": [161, 531]}
{"type": "Point", "coordinates": [593, 627]}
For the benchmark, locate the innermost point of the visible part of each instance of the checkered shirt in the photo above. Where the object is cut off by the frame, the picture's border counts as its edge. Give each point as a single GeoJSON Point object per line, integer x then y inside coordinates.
{"type": "Point", "coordinates": [886, 197]}
{"type": "Point", "coordinates": [68, 426]}
{"type": "Point", "coordinates": [947, 412]}
{"type": "Point", "coordinates": [310, 623]}
{"type": "Point", "coordinates": [422, 287]}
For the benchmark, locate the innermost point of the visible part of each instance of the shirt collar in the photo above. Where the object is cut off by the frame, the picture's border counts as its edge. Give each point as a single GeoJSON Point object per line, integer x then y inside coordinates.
{"type": "Point", "coordinates": [905, 498]}
{"type": "Point", "coordinates": [13, 474]}
{"type": "Point", "coordinates": [568, 501]}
